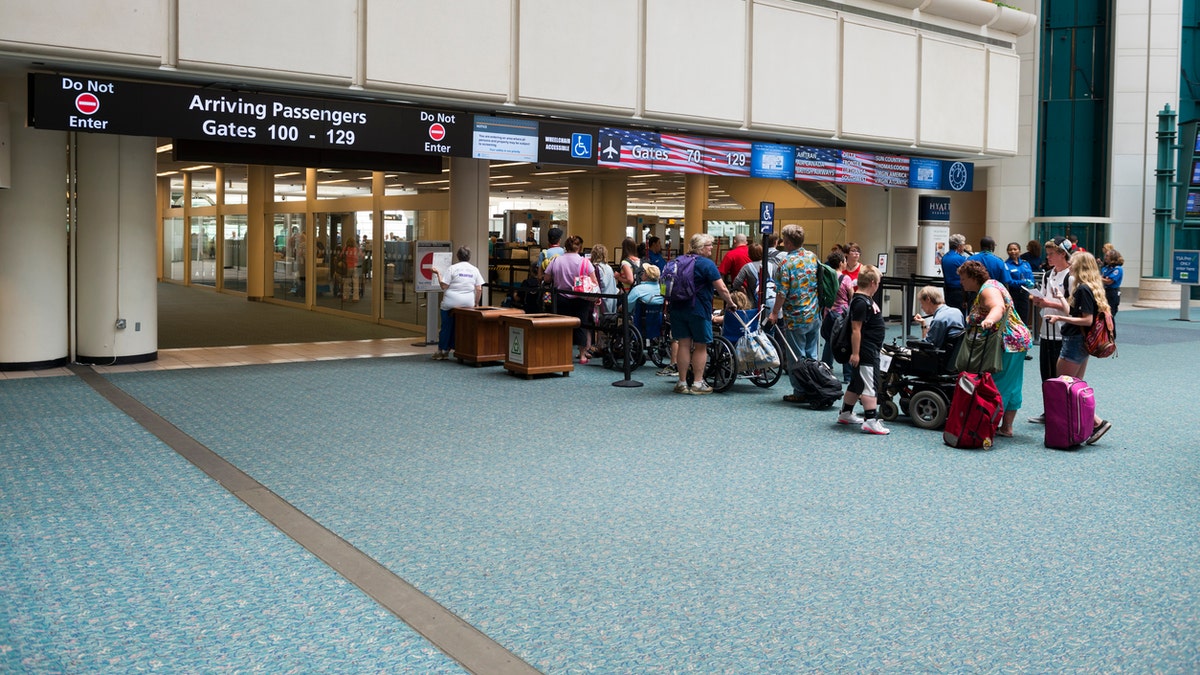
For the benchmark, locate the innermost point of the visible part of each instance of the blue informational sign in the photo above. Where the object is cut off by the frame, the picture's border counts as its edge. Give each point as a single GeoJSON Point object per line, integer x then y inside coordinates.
{"type": "Point", "coordinates": [936, 174]}
{"type": "Point", "coordinates": [581, 146]}
{"type": "Point", "coordinates": [1185, 268]}
{"type": "Point", "coordinates": [770, 160]}
{"type": "Point", "coordinates": [766, 217]}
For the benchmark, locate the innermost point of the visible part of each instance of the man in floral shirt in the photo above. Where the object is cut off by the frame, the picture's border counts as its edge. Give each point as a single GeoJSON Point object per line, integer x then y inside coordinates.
{"type": "Point", "coordinates": [796, 302]}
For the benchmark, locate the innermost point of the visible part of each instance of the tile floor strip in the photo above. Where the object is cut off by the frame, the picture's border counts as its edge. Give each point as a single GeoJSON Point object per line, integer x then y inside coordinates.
{"type": "Point", "coordinates": [464, 643]}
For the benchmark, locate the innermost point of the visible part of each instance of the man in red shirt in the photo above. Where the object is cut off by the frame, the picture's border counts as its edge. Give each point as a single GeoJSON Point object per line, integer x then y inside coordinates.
{"type": "Point", "coordinates": [733, 261]}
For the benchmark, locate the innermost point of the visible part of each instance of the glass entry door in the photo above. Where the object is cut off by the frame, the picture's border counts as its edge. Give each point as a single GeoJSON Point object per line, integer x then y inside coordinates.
{"type": "Point", "coordinates": [203, 250]}
{"type": "Point", "coordinates": [342, 268]}
{"type": "Point", "coordinates": [233, 276]}
{"type": "Point", "coordinates": [289, 278]}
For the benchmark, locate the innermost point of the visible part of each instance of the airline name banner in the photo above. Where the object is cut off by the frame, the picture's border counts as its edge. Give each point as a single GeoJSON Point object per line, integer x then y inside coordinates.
{"type": "Point", "coordinates": [105, 105]}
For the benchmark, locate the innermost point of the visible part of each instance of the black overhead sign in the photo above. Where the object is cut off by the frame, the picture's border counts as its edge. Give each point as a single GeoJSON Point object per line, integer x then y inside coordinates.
{"type": "Point", "coordinates": [106, 105]}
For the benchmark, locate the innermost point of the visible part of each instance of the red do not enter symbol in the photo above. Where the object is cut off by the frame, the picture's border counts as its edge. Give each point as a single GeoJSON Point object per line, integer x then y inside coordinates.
{"type": "Point", "coordinates": [87, 103]}
{"type": "Point", "coordinates": [436, 131]}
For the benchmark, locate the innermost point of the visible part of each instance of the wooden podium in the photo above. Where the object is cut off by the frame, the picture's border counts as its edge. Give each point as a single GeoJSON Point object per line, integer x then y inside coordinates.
{"type": "Point", "coordinates": [478, 336]}
{"type": "Point", "coordinates": [538, 343]}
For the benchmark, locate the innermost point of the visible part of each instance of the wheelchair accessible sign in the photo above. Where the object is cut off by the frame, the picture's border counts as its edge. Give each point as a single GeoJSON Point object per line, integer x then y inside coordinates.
{"type": "Point", "coordinates": [766, 217]}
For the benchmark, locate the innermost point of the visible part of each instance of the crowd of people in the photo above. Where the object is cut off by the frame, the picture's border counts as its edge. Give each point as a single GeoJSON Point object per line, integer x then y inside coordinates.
{"type": "Point", "coordinates": [981, 292]}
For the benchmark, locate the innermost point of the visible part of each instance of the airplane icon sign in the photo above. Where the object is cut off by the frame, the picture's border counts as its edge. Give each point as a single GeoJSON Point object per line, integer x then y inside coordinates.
{"type": "Point", "coordinates": [611, 152]}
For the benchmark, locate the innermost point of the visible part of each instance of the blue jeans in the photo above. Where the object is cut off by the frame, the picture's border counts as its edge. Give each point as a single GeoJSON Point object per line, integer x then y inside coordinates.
{"type": "Point", "coordinates": [446, 334]}
{"type": "Point", "coordinates": [803, 340]}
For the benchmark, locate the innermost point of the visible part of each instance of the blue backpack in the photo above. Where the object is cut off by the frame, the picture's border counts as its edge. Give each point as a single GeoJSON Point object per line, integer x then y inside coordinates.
{"type": "Point", "coordinates": [679, 280]}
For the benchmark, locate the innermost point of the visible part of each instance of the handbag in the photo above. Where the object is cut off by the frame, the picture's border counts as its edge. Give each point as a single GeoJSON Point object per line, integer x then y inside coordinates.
{"type": "Point", "coordinates": [981, 351]}
{"type": "Point", "coordinates": [754, 349]}
{"type": "Point", "coordinates": [584, 283]}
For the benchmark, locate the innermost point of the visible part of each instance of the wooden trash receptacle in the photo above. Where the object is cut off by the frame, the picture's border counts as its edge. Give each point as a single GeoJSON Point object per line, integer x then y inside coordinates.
{"type": "Point", "coordinates": [478, 335]}
{"type": "Point", "coordinates": [538, 343]}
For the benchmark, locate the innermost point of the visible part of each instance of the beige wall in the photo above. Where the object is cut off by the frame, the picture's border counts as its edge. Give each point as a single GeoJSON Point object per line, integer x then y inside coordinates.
{"type": "Point", "coordinates": [732, 65]}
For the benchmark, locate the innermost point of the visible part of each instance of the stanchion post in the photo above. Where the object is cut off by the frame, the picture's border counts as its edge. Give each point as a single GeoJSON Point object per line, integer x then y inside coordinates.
{"type": "Point", "coordinates": [626, 381]}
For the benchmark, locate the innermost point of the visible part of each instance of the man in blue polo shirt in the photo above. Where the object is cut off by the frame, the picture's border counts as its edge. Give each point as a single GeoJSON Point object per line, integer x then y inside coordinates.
{"type": "Point", "coordinates": [950, 281]}
{"type": "Point", "coordinates": [993, 263]}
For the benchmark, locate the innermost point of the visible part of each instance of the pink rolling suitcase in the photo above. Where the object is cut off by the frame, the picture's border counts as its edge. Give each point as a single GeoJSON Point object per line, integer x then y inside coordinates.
{"type": "Point", "coordinates": [1070, 412]}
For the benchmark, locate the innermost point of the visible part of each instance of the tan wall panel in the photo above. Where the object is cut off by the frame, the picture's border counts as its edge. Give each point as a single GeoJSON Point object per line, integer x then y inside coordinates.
{"type": "Point", "coordinates": [424, 43]}
{"type": "Point", "coordinates": [879, 83]}
{"type": "Point", "coordinates": [953, 89]}
{"type": "Point", "coordinates": [1004, 87]}
{"type": "Point", "coordinates": [317, 38]}
{"type": "Point", "coordinates": [795, 81]}
{"type": "Point", "coordinates": [696, 58]}
{"type": "Point", "coordinates": [602, 41]}
{"type": "Point", "coordinates": [135, 27]}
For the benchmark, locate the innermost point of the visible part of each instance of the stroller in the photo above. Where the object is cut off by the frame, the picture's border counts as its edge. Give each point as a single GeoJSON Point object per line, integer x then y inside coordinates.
{"type": "Point", "coordinates": [923, 377]}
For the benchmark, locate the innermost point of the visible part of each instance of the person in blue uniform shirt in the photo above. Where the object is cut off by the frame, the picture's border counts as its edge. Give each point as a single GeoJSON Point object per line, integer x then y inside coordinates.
{"type": "Point", "coordinates": [950, 264]}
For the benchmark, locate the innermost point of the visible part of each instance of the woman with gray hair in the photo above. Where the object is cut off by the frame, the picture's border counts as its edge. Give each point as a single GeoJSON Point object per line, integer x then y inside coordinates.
{"type": "Point", "coordinates": [462, 286]}
{"type": "Point", "coordinates": [691, 322]}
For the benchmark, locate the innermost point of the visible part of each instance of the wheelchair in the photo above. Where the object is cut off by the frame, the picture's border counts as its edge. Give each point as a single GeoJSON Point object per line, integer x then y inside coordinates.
{"type": "Point", "coordinates": [655, 324]}
{"type": "Point", "coordinates": [610, 332]}
{"type": "Point", "coordinates": [922, 378]}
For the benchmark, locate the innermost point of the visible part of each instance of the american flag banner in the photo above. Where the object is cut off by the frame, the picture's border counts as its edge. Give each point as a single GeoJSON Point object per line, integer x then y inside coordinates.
{"type": "Point", "coordinates": [891, 171]}
{"type": "Point", "coordinates": [724, 157]}
{"type": "Point", "coordinates": [629, 149]}
{"type": "Point", "coordinates": [856, 167]}
{"type": "Point", "coordinates": [818, 164]}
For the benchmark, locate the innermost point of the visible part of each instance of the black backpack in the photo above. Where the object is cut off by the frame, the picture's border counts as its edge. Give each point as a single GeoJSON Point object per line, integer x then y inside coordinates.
{"type": "Point", "coordinates": [839, 336]}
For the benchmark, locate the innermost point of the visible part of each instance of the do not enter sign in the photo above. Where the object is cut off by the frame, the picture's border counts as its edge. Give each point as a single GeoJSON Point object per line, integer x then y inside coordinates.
{"type": "Point", "coordinates": [87, 103]}
{"type": "Point", "coordinates": [426, 266]}
{"type": "Point", "coordinates": [436, 131]}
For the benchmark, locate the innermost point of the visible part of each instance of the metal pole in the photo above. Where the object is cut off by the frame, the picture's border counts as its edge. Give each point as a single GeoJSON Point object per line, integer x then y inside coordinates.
{"type": "Point", "coordinates": [626, 381]}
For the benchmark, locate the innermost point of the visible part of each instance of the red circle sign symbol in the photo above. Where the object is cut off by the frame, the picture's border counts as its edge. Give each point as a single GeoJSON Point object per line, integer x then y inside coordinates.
{"type": "Point", "coordinates": [436, 131]}
{"type": "Point", "coordinates": [87, 103]}
{"type": "Point", "coordinates": [427, 266]}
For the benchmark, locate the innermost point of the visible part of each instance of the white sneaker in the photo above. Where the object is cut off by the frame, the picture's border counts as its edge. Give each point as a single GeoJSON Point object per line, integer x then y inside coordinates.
{"type": "Point", "coordinates": [875, 426]}
{"type": "Point", "coordinates": [668, 370]}
{"type": "Point", "coordinates": [849, 417]}
{"type": "Point", "coordinates": [1040, 419]}
{"type": "Point", "coordinates": [701, 388]}
{"type": "Point", "coordinates": [681, 388]}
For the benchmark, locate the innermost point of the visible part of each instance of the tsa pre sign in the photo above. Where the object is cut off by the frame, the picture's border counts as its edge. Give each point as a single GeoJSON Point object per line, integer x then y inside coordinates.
{"type": "Point", "coordinates": [1185, 268]}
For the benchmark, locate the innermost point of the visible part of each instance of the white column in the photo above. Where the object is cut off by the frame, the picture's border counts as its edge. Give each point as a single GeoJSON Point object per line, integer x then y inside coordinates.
{"type": "Point", "coordinates": [115, 257]}
{"type": "Point", "coordinates": [33, 242]}
{"type": "Point", "coordinates": [469, 210]}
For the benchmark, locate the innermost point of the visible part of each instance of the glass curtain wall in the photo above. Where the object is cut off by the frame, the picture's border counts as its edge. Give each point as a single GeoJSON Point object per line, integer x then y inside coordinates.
{"type": "Point", "coordinates": [400, 302]}
{"type": "Point", "coordinates": [173, 249]}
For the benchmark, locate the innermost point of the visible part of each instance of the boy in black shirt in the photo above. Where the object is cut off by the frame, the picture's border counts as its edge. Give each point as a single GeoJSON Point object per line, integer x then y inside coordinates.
{"type": "Point", "coordinates": [866, 337]}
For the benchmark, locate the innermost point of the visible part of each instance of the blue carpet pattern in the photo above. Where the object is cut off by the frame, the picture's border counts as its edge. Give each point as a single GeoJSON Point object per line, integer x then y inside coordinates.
{"type": "Point", "coordinates": [118, 556]}
{"type": "Point", "coordinates": [589, 528]}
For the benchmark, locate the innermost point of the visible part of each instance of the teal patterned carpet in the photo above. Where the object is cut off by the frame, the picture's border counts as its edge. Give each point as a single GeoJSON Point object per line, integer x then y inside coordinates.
{"type": "Point", "coordinates": [589, 528]}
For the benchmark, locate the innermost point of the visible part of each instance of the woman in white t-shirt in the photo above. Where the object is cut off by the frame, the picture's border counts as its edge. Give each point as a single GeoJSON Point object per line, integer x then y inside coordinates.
{"type": "Point", "coordinates": [461, 287]}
